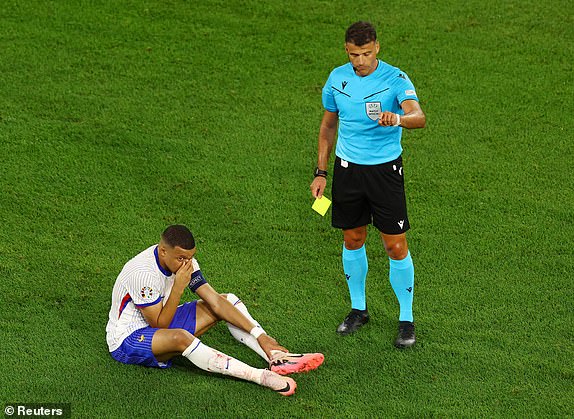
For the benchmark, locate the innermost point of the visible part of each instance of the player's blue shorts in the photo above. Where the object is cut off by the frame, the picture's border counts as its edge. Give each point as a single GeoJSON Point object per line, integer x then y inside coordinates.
{"type": "Point", "coordinates": [136, 348]}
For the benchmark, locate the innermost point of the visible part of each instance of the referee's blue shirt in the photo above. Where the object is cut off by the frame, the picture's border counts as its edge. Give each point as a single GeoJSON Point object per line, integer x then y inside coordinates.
{"type": "Point", "coordinates": [358, 101]}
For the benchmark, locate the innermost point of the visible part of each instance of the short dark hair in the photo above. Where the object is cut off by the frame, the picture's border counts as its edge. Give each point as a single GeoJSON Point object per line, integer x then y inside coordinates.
{"type": "Point", "coordinates": [178, 235]}
{"type": "Point", "coordinates": [361, 33]}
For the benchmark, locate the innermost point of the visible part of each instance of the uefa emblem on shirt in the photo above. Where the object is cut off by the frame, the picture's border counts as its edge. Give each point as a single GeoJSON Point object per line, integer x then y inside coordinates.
{"type": "Point", "coordinates": [373, 110]}
{"type": "Point", "coordinates": [146, 292]}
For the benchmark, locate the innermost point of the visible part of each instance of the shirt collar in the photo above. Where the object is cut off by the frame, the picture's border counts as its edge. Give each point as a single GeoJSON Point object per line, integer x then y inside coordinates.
{"type": "Point", "coordinates": [166, 272]}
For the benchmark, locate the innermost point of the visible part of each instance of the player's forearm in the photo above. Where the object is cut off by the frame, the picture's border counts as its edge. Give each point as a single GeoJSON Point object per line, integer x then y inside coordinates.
{"type": "Point", "coordinates": [167, 312]}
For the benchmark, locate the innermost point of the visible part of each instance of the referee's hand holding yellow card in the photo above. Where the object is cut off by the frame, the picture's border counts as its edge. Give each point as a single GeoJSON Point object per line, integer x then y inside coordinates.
{"type": "Point", "coordinates": [321, 205]}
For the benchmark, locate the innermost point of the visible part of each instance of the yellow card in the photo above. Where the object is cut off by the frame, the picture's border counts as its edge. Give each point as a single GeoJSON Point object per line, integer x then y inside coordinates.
{"type": "Point", "coordinates": [321, 205]}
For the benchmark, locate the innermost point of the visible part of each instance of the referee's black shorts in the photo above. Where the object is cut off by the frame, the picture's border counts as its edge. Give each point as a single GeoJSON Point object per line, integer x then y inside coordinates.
{"type": "Point", "coordinates": [365, 194]}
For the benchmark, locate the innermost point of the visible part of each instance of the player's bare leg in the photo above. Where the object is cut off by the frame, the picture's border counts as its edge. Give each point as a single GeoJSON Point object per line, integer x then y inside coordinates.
{"type": "Point", "coordinates": [205, 318]}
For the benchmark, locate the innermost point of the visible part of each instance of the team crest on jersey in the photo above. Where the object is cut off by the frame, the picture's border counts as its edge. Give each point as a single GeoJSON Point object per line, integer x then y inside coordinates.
{"type": "Point", "coordinates": [373, 110]}
{"type": "Point", "coordinates": [146, 292]}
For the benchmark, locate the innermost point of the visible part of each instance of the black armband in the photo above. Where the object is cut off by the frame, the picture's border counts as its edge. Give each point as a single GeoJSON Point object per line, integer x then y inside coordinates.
{"type": "Point", "coordinates": [197, 280]}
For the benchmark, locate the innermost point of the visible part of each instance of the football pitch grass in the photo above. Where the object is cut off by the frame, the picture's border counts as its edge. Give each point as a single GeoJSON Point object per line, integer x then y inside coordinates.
{"type": "Point", "coordinates": [119, 118]}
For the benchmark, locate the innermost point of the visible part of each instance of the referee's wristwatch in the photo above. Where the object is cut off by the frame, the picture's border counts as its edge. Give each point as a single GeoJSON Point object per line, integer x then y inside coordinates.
{"type": "Point", "coordinates": [319, 172]}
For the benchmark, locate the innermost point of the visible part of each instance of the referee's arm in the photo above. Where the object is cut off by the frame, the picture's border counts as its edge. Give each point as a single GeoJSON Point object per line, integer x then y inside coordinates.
{"type": "Point", "coordinates": [327, 133]}
{"type": "Point", "coordinates": [413, 117]}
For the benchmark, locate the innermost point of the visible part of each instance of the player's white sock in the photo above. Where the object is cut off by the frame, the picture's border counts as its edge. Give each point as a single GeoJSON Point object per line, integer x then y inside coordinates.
{"type": "Point", "coordinates": [208, 359]}
{"type": "Point", "coordinates": [241, 335]}
{"type": "Point", "coordinates": [275, 353]}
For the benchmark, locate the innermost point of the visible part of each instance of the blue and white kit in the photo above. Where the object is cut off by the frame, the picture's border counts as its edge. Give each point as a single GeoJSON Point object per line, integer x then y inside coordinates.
{"type": "Point", "coordinates": [142, 282]}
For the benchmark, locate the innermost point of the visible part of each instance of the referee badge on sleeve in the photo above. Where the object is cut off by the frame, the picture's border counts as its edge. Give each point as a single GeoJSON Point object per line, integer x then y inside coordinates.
{"type": "Point", "coordinates": [373, 110]}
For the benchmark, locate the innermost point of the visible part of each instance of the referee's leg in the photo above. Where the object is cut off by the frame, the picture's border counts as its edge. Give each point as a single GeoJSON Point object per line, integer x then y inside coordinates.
{"type": "Point", "coordinates": [395, 245]}
{"type": "Point", "coordinates": [402, 278]}
{"type": "Point", "coordinates": [355, 266]}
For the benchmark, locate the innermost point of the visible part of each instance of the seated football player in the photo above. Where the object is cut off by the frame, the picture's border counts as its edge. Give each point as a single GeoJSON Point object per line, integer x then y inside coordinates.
{"type": "Point", "coordinates": [148, 326]}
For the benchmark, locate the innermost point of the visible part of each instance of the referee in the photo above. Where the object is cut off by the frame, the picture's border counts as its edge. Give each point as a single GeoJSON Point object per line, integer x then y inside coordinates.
{"type": "Point", "coordinates": [367, 104]}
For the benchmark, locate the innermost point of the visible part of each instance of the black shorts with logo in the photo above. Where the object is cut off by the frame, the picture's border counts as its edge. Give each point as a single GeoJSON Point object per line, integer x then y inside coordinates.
{"type": "Point", "coordinates": [365, 194]}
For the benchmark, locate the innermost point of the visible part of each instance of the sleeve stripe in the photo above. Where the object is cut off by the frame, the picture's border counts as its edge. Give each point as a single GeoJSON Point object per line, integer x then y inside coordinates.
{"type": "Point", "coordinates": [150, 304]}
{"type": "Point", "coordinates": [127, 298]}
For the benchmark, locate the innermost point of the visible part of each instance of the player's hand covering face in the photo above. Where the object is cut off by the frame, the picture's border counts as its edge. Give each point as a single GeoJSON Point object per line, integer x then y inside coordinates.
{"type": "Point", "coordinates": [175, 257]}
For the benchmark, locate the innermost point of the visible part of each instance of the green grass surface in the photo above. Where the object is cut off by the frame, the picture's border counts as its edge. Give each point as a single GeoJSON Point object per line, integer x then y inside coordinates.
{"type": "Point", "coordinates": [119, 118]}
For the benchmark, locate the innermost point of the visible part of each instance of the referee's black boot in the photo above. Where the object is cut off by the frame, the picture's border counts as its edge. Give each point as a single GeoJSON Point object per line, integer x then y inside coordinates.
{"type": "Point", "coordinates": [406, 337]}
{"type": "Point", "coordinates": [354, 320]}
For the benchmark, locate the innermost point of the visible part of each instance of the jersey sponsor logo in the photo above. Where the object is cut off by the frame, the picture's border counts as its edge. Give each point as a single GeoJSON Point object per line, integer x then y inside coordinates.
{"type": "Point", "coordinates": [410, 93]}
{"type": "Point", "coordinates": [147, 293]}
{"type": "Point", "coordinates": [373, 110]}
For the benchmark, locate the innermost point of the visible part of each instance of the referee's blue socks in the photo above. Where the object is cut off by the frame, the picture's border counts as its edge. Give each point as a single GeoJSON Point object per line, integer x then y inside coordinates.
{"type": "Point", "coordinates": [356, 266]}
{"type": "Point", "coordinates": [402, 276]}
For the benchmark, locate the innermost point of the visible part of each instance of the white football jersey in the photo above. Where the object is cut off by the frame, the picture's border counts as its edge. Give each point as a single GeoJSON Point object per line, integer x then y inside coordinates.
{"type": "Point", "coordinates": [142, 282]}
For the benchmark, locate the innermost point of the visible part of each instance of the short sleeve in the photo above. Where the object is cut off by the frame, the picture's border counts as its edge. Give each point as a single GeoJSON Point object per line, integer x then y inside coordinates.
{"type": "Point", "coordinates": [328, 98]}
{"type": "Point", "coordinates": [405, 89]}
{"type": "Point", "coordinates": [144, 289]}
